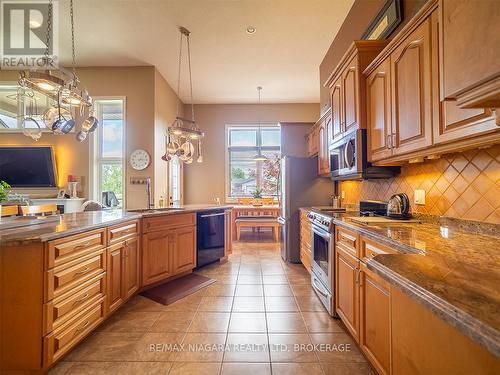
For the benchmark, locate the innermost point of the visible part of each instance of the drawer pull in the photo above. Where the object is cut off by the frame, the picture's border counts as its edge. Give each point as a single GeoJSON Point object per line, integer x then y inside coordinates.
{"type": "Point", "coordinates": [82, 327]}
{"type": "Point", "coordinates": [82, 246]}
{"type": "Point", "coordinates": [83, 298]}
{"type": "Point", "coordinates": [85, 270]}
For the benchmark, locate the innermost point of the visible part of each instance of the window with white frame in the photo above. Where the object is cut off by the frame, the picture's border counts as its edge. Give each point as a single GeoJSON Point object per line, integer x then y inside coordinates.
{"type": "Point", "coordinates": [244, 175]}
{"type": "Point", "coordinates": [109, 158]}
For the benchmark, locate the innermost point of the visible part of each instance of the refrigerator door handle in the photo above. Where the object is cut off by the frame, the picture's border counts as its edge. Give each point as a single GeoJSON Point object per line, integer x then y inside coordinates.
{"type": "Point", "coordinates": [281, 220]}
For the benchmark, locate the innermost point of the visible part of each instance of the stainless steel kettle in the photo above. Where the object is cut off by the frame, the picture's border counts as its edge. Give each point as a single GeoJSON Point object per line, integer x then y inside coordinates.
{"type": "Point", "coordinates": [398, 207]}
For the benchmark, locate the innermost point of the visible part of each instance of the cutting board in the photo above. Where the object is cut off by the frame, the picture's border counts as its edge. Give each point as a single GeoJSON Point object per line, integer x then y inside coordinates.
{"type": "Point", "coordinates": [381, 220]}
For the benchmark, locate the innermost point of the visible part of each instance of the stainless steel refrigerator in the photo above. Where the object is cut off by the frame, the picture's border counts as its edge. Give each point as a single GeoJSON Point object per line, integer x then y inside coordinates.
{"type": "Point", "coordinates": [300, 186]}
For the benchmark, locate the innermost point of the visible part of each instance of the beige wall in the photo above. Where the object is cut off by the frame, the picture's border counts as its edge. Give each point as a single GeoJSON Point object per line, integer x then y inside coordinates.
{"type": "Point", "coordinates": [137, 85]}
{"type": "Point", "coordinates": [203, 182]}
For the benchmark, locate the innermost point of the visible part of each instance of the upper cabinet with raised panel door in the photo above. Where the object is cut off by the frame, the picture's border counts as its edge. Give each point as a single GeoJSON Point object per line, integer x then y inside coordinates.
{"type": "Point", "coordinates": [405, 116]}
{"type": "Point", "coordinates": [469, 40]}
{"type": "Point", "coordinates": [347, 88]}
{"type": "Point", "coordinates": [313, 141]}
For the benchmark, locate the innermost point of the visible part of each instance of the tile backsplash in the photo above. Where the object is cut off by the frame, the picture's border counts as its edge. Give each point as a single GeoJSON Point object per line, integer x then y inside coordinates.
{"type": "Point", "coordinates": [463, 185]}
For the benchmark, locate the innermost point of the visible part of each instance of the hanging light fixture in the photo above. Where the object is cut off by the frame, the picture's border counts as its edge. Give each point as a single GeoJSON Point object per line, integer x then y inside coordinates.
{"type": "Point", "coordinates": [182, 132]}
{"type": "Point", "coordinates": [71, 101]}
{"type": "Point", "coordinates": [259, 156]}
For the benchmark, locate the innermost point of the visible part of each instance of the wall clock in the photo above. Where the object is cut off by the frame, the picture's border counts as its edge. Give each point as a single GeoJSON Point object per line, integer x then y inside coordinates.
{"type": "Point", "coordinates": [140, 159]}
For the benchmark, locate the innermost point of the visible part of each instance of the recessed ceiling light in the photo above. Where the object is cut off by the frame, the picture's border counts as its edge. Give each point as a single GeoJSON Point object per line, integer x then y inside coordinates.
{"type": "Point", "coordinates": [251, 29]}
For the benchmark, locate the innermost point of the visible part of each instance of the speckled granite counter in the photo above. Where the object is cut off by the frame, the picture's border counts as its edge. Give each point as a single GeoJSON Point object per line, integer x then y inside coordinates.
{"type": "Point", "coordinates": [69, 224]}
{"type": "Point", "coordinates": [453, 272]}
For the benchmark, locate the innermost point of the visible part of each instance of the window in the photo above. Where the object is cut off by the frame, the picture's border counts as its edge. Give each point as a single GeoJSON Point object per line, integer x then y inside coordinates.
{"type": "Point", "coordinates": [108, 173]}
{"type": "Point", "coordinates": [244, 174]}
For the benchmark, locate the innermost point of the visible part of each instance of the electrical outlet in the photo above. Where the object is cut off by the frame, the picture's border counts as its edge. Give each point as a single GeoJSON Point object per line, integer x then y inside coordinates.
{"type": "Point", "coordinates": [342, 194]}
{"type": "Point", "coordinates": [419, 197]}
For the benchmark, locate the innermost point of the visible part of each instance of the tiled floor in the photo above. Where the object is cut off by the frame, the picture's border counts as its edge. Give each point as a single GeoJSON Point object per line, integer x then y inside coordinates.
{"type": "Point", "coordinates": [260, 317]}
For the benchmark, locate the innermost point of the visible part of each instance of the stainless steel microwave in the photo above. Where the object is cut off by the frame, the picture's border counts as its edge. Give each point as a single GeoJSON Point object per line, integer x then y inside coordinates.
{"type": "Point", "coordinates": [349, 159]}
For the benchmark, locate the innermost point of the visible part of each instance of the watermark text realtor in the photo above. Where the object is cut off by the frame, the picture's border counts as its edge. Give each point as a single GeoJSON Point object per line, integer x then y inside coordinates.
{"type": "Point", "coordinates": [172, 347]}
{"type": "Point", "coordinates": [27, 29]}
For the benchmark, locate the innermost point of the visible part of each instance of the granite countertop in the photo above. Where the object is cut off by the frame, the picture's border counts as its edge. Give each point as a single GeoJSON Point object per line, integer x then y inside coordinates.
{"type": "Point", "coordinates": [452, 270]}
{"type": "Point", "coordinates": [74, 223]}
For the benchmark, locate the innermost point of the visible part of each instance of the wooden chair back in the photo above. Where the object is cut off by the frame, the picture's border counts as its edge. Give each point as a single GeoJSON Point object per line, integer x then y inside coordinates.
{"type": "Point", "coordinates": [41, 209]}
{"type": "Point", "coordinates": [8, 210]}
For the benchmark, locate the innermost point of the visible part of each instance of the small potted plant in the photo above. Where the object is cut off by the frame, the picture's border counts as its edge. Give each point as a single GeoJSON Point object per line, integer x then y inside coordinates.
{"type": "Point", "coordinates": [257, 197]}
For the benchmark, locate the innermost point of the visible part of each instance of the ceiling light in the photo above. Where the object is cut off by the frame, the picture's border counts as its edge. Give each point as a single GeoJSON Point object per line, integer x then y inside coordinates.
{"type": "Point", "coordinates": [251, 29]}
{"type": "Point", "coordinates": [259, 156]}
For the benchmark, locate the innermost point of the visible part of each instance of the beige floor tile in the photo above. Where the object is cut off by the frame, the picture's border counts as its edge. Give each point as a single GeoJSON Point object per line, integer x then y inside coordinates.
{"type": "Point", "coordinates": [347, 369]}
{"type": "Point", "coordinates": [246, 347]}
{"type": "Point", "coordinates": [295, 347]}
{"type": "Point", "coordinates": [250, 269]}
{"type": "Point", "coordinates": [277, 291]}
{"type": "Point", "coordinates": [310, 303]}
{"type": "Point", "coordinates": [172, 321]}
{"type": "Point", "coordinates": [246, 369]}
{"type": "Point", "coordinates": [320, 322]}
{"type": "Point", "coordinates": [299, 279]}
{"type": "Point", "coordinates": [342, 348]}
{"type": "Point", "coordinates": [129, 322]}
{"type": "Point", "coordinates": [102, 368]}
{"type": "Point", "coordinates": [61, 368]}
{"type": "Point", "coordinates": [202, 347]}
{"type": "Point", "coordinates": [210, 322]}
{"type": "Point", "coordinates": [291, 322]}
{"type": "Point", "coordinates": [189, 303]}
{"type": "Point", "coordinates": [243, 290]}
{"type": "Point", "coordinates": [105, 346]}
{"type": "Point", "coordinates": [274, 279]}
{"type": "Point", "coordinates": [273, 270]}
{"type": "Point", "coordinates": [139, 304]}
{"type": "Point", "coordinates": [248, 304]}
{"type": "Point", "coordinates": [281, 304]}
{"type": "Point", "coordinates": [157, 347]}
{"type": "Point", "coordinates": [248, 322]}
{"type": "Point", "coordinates": [220, 304]}
{"type": "Point", "coordinates": [296, 369]}
{"type": "Point", "coordinates": [226, 278]}
{"type": "Point", "coordinates": [249, 279]}
{"type": "Point", "coordinates": [302, 290]}
{"type": "Point", "coordinates": [220, 290]}
{"type": "Point", "coordinates": [193, 368]}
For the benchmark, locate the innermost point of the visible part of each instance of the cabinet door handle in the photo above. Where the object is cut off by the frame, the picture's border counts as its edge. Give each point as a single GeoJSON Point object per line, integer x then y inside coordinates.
{"type": "Point", "coordinates": [82, 327]}
{"type": "Point", "coordinates": [86, 269]}
{"type": "Point", "coordinates": [83, 245]}
{"type": "Point", "coordinates": [82, 298]}
{"type": "Point", "coordinates": [393, 141]}
{"type": "Point", "coordinates": [389, 141]}
{"type": "Point", "coordinates": [357, 275]}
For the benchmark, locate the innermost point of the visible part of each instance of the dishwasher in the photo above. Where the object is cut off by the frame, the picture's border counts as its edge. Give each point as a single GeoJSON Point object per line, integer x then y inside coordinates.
{"type": "Point", "coordinates": [209, 237]}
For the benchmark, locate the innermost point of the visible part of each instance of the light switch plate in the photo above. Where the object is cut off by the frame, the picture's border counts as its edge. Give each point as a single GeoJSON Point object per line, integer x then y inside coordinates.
{"type": "Point", "coordinates": [419, 197]}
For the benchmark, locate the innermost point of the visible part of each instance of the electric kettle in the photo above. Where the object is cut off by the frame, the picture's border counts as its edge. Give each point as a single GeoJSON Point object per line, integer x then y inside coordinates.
{"type": "Point", "coordinates": [398, 207]}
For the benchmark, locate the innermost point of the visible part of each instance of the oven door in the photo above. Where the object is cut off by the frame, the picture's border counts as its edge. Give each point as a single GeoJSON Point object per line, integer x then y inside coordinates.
{"type": "Point", "coordinates": [322, 256]}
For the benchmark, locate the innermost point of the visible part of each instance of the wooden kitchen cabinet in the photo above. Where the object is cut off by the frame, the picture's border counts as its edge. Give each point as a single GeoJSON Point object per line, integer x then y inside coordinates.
{"type": "Point", "coordinates": [305, 240]}
{"type": "Point", "coordinates": [122, 272]}
{"type": "Point", "coordinates": [347, 87]}
{"type": "Point", "coordinates": [157, 249]}
{"type": "Point", "coordinates": [378, 98]}
{"type": "Point", "coordinates": [375, 319]}
{"type": "Point", "coordinates": [469, 40]}
{"type": "Point", "coordinates": [131, 275]}
{"type": "Point", "coordinates": [452, 123]}
{"type": "Point", "coordinates": [324, 143]}
{"type": "Point", "coordinates": [411, 92]}
{"type": "Point", "coordinates": [184, 254]}
{"type": "Point", "coordinates": [313, 141]}
{"type": "Point", "coordinates": [347, 289]}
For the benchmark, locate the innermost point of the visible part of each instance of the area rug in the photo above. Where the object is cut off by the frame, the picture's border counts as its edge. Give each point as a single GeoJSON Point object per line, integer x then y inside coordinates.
{"type": "Point", "coordinates": [174, 290]}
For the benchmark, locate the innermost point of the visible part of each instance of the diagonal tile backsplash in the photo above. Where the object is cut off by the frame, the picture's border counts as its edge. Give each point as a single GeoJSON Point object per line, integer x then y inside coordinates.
{"type": "Point", "coordinates": [462, 185]}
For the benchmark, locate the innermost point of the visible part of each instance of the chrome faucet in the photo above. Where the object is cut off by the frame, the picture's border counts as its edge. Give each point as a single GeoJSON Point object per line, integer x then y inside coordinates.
{"type": "Point", "coordinates": [148, 193]}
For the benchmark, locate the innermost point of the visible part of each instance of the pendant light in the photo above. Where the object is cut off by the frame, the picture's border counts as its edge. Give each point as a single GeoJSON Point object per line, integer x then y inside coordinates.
{"type": "Point", "coordinates": [259, 156]}
{"type": "Point", "coordinates": [183, 132]}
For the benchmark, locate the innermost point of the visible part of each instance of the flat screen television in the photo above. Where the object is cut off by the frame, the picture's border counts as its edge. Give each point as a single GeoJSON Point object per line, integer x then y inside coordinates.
{"type": "Point", "coordinates": [28, 167]}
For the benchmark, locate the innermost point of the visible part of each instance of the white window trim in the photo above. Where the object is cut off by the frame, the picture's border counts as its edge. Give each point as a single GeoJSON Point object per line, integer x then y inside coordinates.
{"type": "Point", "coordinates": [94, 149]}
{"type": "Point", "coordinates": [227, 190]}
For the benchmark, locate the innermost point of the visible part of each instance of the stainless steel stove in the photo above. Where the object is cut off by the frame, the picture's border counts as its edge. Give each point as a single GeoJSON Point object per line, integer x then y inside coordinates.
{"type": "Point", "coordinates": [323, 257]}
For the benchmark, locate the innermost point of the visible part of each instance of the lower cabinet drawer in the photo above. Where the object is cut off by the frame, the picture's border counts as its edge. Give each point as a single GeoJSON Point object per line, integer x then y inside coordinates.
{"type": "Point", "coordinates": [67, 336]}
{"type": "Point", "coordinates": [61, 280]}
{"type": "Point", "coordinates": [66, 306]}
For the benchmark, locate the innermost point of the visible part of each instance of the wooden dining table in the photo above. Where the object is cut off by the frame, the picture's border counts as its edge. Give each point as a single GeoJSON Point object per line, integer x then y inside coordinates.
{"type": "Point", "coordinates": [250, 210]}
